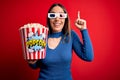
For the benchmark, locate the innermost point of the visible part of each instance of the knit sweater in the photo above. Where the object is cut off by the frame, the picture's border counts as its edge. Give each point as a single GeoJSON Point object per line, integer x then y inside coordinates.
{"type": "Point", "coordinates": [56, 65]}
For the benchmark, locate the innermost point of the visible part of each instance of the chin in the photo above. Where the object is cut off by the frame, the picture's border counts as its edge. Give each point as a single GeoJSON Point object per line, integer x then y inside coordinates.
{"type": "Point", "coordinates": [57, 30]}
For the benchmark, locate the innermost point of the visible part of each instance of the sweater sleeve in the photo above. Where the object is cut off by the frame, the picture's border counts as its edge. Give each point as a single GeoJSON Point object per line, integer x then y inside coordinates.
{"type": "Point", "coordinates": [83, 50]}
{"type": "Point", "coordinates": [35, 65]}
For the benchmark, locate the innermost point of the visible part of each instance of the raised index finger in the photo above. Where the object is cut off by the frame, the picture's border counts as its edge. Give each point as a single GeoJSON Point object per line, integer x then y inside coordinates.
{"type": "Point", "coordinates": [78, 14]}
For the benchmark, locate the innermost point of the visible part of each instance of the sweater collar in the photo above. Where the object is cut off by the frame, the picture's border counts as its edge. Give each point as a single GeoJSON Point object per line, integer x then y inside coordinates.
{"type": "Point", "coordinates": [56, 34]}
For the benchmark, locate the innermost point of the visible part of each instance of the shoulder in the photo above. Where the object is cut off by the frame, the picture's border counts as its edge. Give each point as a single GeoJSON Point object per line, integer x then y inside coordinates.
{"type": "Point", "coordinates": [73, 33]}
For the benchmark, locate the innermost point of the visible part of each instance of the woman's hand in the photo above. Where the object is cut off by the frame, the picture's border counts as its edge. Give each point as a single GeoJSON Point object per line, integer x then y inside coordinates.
{"type": "Point", "coordinates": [80, 23]}
{"type": "Point", "coordinates": [31, 61]}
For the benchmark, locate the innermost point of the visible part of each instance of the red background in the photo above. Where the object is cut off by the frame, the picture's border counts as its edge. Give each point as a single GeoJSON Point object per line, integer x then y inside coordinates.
{"type": "Point", "coordinates": [103, 22]}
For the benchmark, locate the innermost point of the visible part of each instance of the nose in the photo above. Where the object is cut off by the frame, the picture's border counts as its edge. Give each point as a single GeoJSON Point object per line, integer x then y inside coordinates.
{"type": "Point", "coordinates": [57, 18]}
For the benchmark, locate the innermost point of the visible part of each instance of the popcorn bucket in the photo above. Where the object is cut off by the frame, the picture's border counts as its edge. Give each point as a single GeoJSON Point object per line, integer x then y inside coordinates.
{"type": "Point", "coordinates": [34, 39]}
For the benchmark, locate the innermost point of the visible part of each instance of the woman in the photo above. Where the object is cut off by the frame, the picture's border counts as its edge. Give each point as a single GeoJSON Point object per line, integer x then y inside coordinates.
{"type": "Point", "coordinates": [61, 42]}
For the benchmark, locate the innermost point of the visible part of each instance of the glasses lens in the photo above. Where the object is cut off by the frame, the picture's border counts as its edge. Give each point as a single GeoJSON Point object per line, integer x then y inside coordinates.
{"type": "Point", "coordinates": [62, 15]}
{"type": "Point", "coordinates": [52, 15]}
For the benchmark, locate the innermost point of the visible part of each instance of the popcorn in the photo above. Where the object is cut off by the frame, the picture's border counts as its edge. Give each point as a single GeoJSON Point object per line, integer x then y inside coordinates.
{"type": "Point", "coordinates": [34, 38]}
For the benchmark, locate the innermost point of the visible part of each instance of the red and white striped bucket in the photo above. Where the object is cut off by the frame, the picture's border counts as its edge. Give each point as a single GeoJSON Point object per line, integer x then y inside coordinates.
{"type": "Point", "coordinates": [34, 39]}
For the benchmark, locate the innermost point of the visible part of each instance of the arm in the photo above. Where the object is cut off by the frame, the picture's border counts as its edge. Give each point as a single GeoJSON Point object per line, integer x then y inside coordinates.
{"type": "Point", "coordinates": [85, 50]}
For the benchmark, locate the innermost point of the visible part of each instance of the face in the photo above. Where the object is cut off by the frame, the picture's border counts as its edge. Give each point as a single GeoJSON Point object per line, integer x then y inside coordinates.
{"type": "Point", "coordinates": [57, 23]}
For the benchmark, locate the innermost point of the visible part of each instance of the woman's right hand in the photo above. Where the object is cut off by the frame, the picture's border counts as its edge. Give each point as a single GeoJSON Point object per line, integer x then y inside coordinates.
{"type": "Point", "coordinates": [31, 61]}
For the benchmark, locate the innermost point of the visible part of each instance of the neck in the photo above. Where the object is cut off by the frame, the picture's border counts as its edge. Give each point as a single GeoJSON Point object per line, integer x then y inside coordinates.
{"type": "Point", "coordinates": [56, 34]}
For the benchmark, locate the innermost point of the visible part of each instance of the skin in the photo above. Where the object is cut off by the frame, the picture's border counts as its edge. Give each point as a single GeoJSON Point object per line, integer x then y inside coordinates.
{"type": "Point", "coordinates": [80, 23]}
{"type": "Point", "coordinates": [57, 25]}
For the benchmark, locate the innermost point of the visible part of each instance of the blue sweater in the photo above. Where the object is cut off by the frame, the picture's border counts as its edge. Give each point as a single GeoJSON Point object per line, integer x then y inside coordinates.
{"type": "Point", "coordinates": [56, 65]}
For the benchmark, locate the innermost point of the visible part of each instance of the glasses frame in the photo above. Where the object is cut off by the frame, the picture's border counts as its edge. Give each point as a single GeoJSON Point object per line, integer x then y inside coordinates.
{"type": "Point", "coordinates": [57, 15]}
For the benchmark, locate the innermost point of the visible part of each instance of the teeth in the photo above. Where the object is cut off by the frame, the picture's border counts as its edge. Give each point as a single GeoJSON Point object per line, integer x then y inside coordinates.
{"type": "Point", "coordinates": [56, 24]}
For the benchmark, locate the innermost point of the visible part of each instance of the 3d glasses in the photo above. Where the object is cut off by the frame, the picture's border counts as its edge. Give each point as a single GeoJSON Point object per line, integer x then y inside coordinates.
{"type": "Point", "coordinates": [59, 15]}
